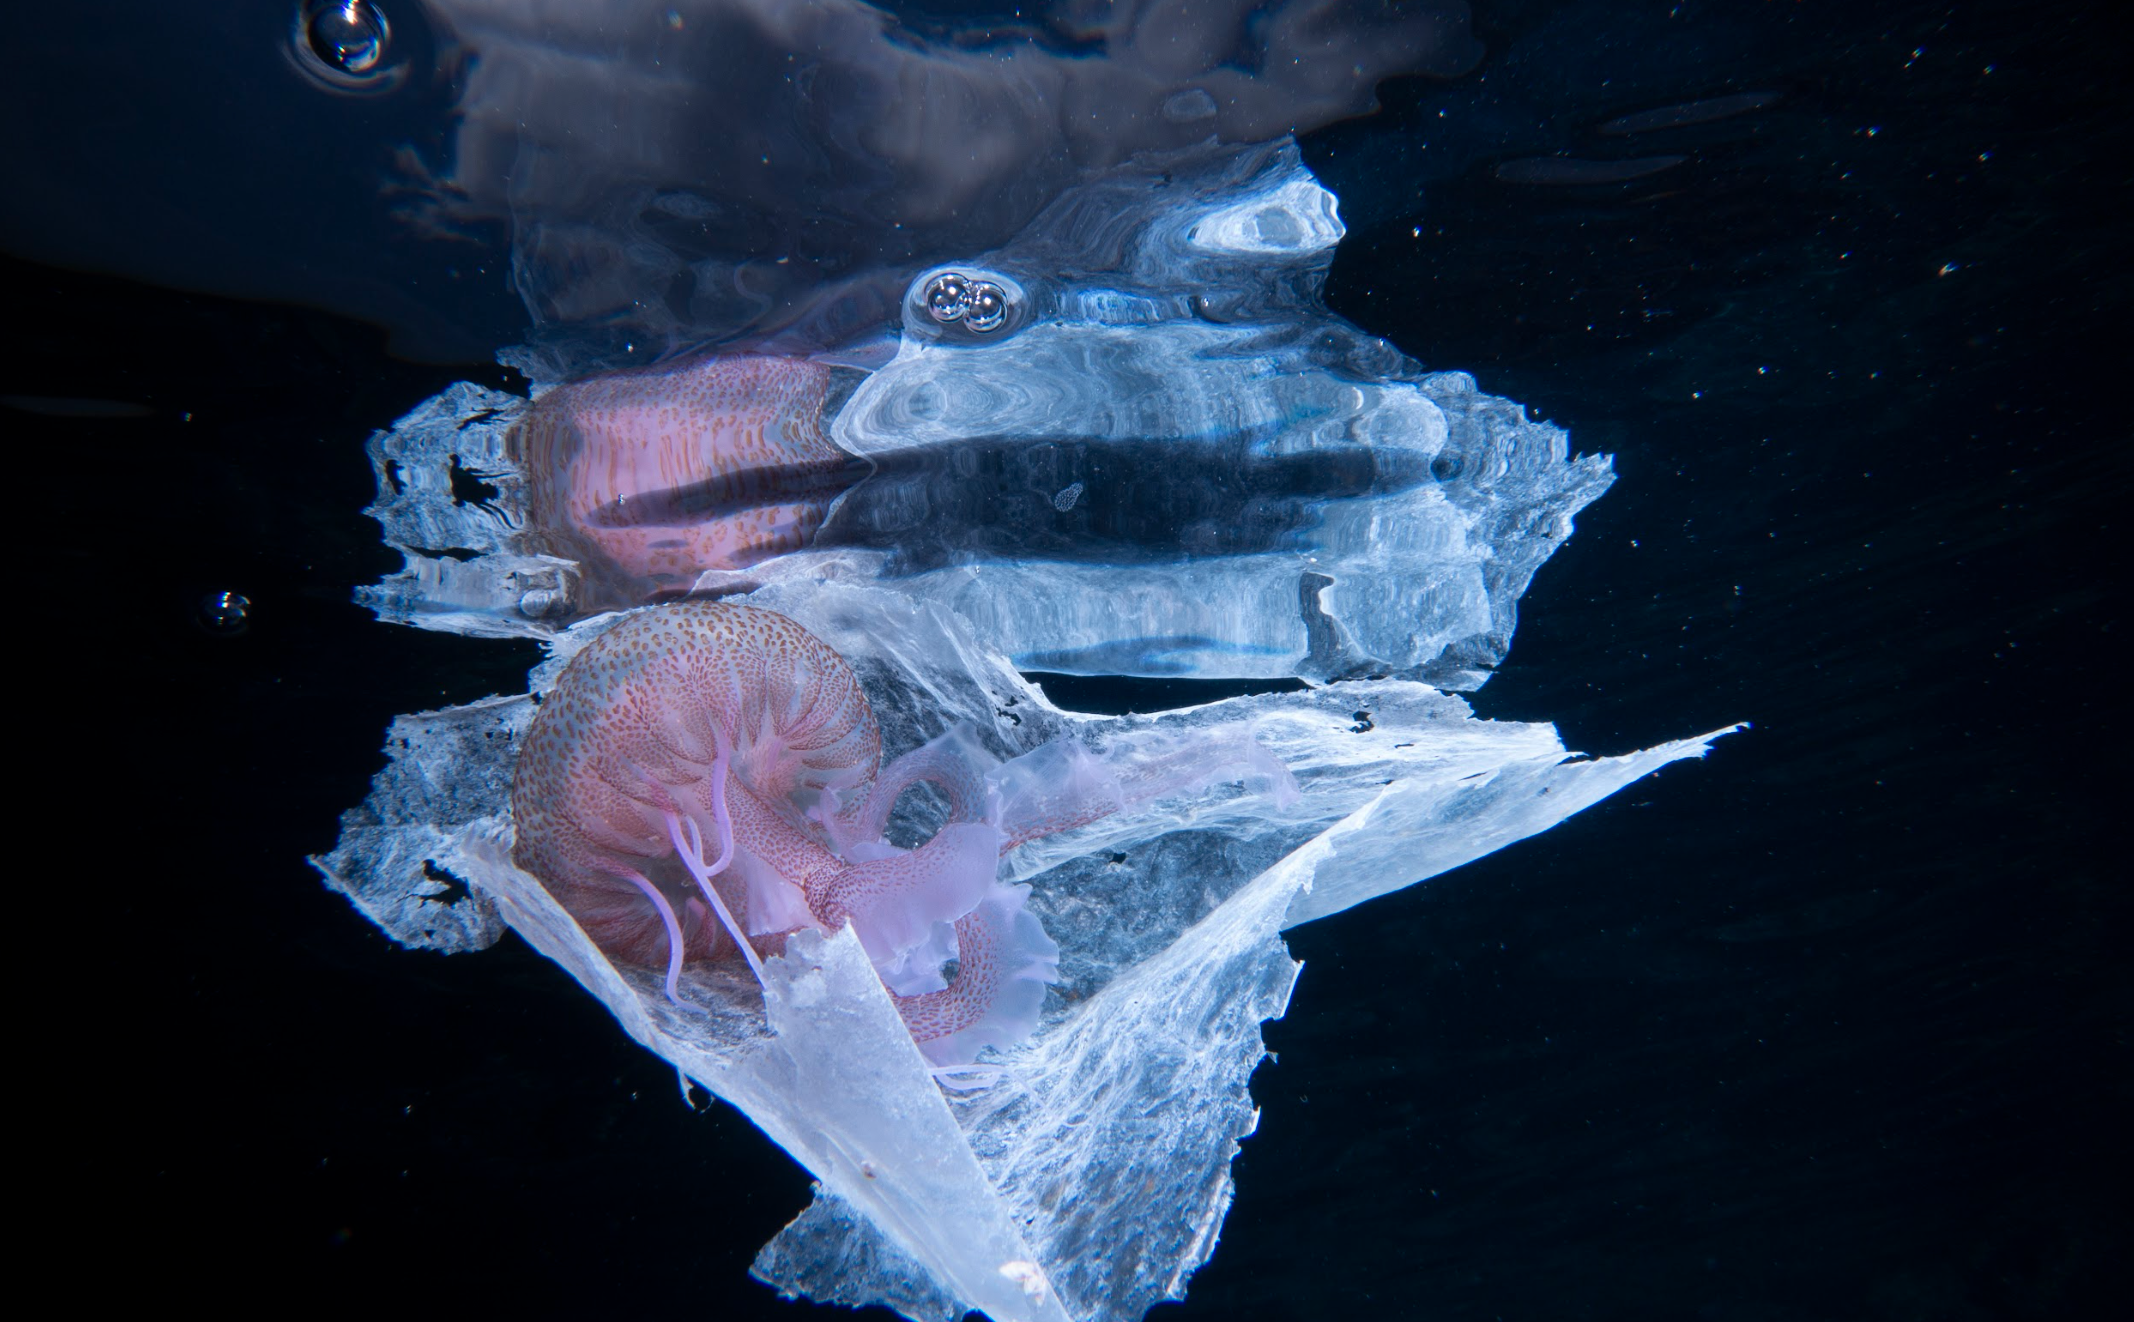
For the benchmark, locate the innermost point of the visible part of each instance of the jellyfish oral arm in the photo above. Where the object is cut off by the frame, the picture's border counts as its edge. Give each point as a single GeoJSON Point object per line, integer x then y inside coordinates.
{"type": "Point", "coordinates": [954, 762]}
{"type": "Point", "coordinates": [1004, 961]}
{"type": "Point", "coordinates": [913, 911]}
{"type": "Point", "coordinates": [894, 902]}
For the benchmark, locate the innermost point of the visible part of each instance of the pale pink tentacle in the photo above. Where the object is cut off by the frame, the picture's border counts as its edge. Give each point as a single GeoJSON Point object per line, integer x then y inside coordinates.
{"type": "Point", "coordinates": [673, 925]}
{"type": "Point", "coordinates": [693, 859]}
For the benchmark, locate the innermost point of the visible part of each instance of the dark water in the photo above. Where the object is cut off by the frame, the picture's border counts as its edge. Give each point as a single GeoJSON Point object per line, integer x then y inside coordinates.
{"type": "Point", "coordinates": [1834, 1025]}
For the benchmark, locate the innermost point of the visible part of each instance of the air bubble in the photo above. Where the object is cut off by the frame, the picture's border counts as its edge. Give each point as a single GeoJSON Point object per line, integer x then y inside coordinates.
{"type": "Point", "coordinates": [344, 45]}
{"type": "Point", "coordinates": [980, 305]}
{"type": "Point", "coordinates": [988, 307]}
{"type": "Point", "coordinates": [948, 297]}
{"type": "Point", "coordinates": [225, 613]}
{"type": "Point", "coordinates": [349, 36]}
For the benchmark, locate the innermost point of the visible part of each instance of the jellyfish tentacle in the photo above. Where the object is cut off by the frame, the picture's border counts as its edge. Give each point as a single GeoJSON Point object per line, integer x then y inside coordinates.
{"type": "Point", "coordinates": [693, 859]}
{"type": "Point", "coordinates": [667, 918]}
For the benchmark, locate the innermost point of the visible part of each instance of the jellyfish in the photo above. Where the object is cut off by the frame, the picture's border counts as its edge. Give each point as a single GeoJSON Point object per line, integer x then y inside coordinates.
{"type": "Point", "coordinates": [786, 798]}
{"type": "Point", "coordinates": [1009, 1162]}
{"type": "Point", "coordinates": [702, 781]}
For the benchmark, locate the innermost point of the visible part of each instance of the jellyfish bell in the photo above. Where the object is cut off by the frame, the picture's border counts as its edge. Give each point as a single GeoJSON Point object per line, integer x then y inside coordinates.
{"type": "Point", "coordinates": [651, 478]}
{"type": "Point", "coordinates": [711, 718]}
{"type": "Point", "coordinates": [664, 793]}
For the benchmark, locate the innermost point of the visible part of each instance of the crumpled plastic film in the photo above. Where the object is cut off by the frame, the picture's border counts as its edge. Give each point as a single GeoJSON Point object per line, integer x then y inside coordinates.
{"type": "Point", "coordinates": [1169, 459]}
{"type": "Point", "coordinates": [1091, 1177]}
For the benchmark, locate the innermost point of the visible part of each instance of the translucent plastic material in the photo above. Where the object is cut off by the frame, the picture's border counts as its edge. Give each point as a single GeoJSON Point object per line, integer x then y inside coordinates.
{"type": "Point", "coordinates": [1165, 458]}
{"type": "Point", "coordinates": [1091, 1176]}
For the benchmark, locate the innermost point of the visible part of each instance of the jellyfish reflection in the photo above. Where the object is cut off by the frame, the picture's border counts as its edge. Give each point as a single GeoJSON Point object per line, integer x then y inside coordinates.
{"type": "Point", "coordinates": [649, 478]}
{"type": "Point", "coordinates": [1260, 489]}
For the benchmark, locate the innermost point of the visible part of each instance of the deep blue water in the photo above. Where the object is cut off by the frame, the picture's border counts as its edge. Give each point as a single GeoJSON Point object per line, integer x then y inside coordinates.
{"type": "Point", "coordinates": [1833, 1025]}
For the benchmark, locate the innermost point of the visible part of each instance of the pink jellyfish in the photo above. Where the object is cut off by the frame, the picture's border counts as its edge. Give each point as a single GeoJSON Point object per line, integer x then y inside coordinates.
{"type": "Point", "coordinates": [702, 781]}
{"type": "Point", "coordinates": [649, 477]}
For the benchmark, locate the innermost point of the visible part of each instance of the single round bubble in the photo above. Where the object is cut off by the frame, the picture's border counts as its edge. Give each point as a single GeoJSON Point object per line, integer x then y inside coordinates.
{"type": "Point", "coordinates": [349, 36]}
{"type": "Point", "coordinates": [988, 306]}
{"type": "Point", "coordinates": [225, 613]}
{"type": "Point", "coordinates": [343, 45]}
{"type": "Point", "coordinates": [948, 297]}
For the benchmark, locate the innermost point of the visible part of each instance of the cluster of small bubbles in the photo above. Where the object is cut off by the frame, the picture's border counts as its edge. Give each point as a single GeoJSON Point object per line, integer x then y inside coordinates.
{"type": "Point", "coordinates": [343, 44]}
{"type": "Point", "coordinates": [980, 305]}
{"type": "Point", "coordinates": [225, 613]}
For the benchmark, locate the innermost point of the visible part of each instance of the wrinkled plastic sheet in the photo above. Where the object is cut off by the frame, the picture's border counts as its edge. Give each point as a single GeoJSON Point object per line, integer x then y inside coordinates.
{"type": "Point", "coordinates": [1171, 460]}
{"type": "Point", "coordinates": [1091, 1177]}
